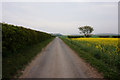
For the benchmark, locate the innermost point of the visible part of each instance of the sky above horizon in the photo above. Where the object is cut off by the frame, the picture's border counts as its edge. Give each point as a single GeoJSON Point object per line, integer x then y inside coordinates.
{"type": "Point", "coordinates": [62, 17]}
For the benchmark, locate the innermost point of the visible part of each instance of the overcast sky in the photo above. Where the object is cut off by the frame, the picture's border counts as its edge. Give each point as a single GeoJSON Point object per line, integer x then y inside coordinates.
{"type": "Point", "coordinates": [62, 17]}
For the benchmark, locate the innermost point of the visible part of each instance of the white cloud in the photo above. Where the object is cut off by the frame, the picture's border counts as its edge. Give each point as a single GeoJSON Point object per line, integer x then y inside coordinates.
{"type": "Point", "coordinates": [63, 17]}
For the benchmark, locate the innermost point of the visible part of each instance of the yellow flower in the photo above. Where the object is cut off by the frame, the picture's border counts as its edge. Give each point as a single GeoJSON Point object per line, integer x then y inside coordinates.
{"type": "Point", "coordinates": [103, 44]}
{"type": "Point", "coordinates": [97, 47]}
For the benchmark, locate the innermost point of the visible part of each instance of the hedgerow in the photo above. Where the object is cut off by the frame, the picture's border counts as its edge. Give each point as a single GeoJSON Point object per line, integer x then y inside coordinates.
{"type": "Point", "coordinates": [19, 46]}
{"type": "Point", "coordinates": [15, 38]}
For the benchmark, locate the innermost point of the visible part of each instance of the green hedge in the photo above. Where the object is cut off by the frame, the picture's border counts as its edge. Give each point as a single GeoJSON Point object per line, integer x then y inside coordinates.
{"type": "Point", "coordinates": [19, 46]}
{"type": "Point", "coordinates": [74, 36]}
{"type": "Point", "coordinates": [15, 38]}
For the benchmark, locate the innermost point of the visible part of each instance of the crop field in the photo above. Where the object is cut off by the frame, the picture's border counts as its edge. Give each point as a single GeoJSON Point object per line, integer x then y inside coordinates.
{"type": "Point", "coordinates": [107, 47]}
{"type": "Point", "coordinates": [102, 53]}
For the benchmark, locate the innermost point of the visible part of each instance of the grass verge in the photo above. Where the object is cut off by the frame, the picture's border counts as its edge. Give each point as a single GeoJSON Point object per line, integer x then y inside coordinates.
{"type": "Point", "coordinates": [13, 64]}
{"type": "Point", "coordinates": [108, 72]}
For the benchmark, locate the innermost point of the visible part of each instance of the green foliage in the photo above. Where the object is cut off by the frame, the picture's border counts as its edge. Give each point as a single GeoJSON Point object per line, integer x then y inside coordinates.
{"type": "Point", "coordinates": [86, 30]}
{"type": "Point", "coordinates": [16, 38]}
{"type": "Point", "coordinates": [14, 64]}
{"type": "Point", "coordinates": [109, 66]}
{"type": "Point", "coordinates": [75, 36]}
{"type": "Point", "coordinates": [19, 46]}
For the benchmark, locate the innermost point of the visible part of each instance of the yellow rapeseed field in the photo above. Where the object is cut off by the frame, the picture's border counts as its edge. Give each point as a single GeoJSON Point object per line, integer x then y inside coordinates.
{"type": "Point", "coordinates": [104, 53]}
{"type": "Point", "coordinates": [104, 44]}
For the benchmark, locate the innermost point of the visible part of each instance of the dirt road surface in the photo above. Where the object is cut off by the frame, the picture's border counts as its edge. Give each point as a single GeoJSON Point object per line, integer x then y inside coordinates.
{"type": "Point", "coordinates": [57, 60]}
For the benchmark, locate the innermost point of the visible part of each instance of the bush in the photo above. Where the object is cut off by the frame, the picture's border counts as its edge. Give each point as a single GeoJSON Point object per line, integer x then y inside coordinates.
{"type": "Point", "coordinates": [19, 46]}
{"type": "Point", "coordinates": [16, 38]}
{"type": "Point", "coordinates": [116, 36]}
{"type": "Point", "coordinates": [75, 36]}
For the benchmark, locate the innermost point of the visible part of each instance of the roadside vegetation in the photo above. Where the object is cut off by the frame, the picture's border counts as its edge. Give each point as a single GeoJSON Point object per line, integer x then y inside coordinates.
{"type": "Point", "coordinates": [0, 51]}
{"type": "Point", "coordinates": [101, 53]}
{"type": "Point", "coordinates": [94, 36]}
{"type": "Point", "coordinates": [19, 46]}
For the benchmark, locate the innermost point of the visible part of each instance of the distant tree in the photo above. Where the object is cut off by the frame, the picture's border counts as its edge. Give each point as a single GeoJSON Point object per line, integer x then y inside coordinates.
{"type": "Point", "coordinates": [86, 30]}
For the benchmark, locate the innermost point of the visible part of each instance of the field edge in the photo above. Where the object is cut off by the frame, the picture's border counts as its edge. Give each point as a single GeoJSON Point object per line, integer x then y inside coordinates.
{"type": "Point", "coordinates": [97, 64]}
